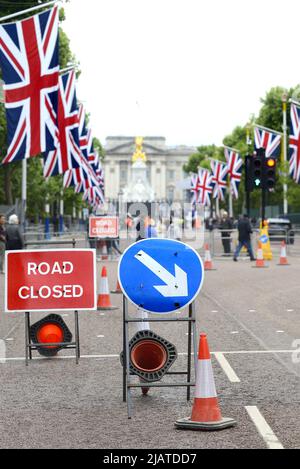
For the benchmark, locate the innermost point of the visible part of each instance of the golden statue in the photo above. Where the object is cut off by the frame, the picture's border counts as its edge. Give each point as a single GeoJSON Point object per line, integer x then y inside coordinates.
{"type": "Point", "coordinates": [139, 155]}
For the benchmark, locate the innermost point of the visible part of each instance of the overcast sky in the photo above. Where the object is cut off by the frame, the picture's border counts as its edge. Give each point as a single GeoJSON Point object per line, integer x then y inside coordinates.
{"type": "Point", "coordinates": [189, 70]}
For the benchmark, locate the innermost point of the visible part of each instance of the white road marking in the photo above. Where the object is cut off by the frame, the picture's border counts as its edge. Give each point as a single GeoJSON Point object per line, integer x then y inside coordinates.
{"type": "Point", "coordinates": [280, 332]}
{"type": "Point", "coordinates": [214, 311]}
{"type": "Point", "coordinates": [228, 370]}
{"type": "Point", "coordinates": [252, 310]}
{"type": "Point", "coordinates": [100, 336]}
{"type": "Point", "coordinates": [263, 428]}
{"type": "Point", "coordinates": [10, 339]}
{"type": "Point", "coordinates": [234, 332]}
{"type": "Point", "coordinates": [184, 354]}
{"type": "Point", "coordinates": [289, 310]}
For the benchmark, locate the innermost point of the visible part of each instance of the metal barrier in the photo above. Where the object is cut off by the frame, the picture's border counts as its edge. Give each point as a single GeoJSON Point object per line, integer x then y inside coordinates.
{"type": "Point", "coordinates": [215, 239]}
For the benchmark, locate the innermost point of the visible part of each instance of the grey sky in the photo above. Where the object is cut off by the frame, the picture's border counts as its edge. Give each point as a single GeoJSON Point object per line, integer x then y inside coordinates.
{"type": "Point", "coordinates": [190, 70]}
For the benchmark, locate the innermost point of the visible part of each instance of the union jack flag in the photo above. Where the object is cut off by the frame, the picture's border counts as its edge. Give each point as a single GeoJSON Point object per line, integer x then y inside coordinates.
{"type": "Point", "coordinates": [234, 166]}
{"type": "Point", "coordinates": [294, 159]}
{"type": "Point", "coordinates": [94, 196]}
{"type": "Point", "coordinates": [29, 62]}
{"type": "Point", "coordinates": [204, 187]}
{"type": "Point", "coordinates": [68, 154]}
{"type": "Point", "coordinates": [269, 140]}
{"type": "Point", "coordinates": [194, 189]}
{"type": "Point", "coordinates": [219, 179]}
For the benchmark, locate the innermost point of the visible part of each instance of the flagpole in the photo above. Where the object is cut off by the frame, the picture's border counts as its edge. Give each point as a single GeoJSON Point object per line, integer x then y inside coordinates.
{"type": "Point", "coordinates": [285, 187]}
{"type": "Point", "coordinates": [230, 203]}
{"type": "Point", "coordinates": [268, 130]}
{"type": "Point", "coordinates": [22, 12]}
{"type": "Point", "coordinates": [24, 194]}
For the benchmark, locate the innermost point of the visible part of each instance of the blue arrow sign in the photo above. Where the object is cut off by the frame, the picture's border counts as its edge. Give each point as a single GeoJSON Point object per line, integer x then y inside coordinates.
{"type": "Point", "coordinates": [161, 275]}
{"type": "Point", "coordinates": [264, 239]}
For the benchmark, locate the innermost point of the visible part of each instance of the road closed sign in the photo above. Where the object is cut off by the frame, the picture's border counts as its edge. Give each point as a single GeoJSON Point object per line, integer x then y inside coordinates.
{"type": "Point", "coordinates": [104, 227]}
{"type": "Point", "coordinates": [62, 280]}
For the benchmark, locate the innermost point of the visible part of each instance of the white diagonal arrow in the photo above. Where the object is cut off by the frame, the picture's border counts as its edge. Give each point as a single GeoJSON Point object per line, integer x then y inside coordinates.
{"type": "Point", "coordinates": [175, 286]}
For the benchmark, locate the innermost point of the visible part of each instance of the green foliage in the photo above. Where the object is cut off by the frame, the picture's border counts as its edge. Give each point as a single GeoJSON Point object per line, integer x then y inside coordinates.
{"type": "Point", "coordinates": [201, 158]}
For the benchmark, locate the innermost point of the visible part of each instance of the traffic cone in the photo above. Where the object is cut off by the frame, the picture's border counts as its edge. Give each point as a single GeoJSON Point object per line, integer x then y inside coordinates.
{"type": "Point", "coordinates": [104, 303]}
{"type": "Point", "coordinates": [104, 252]}
{"type": "Point", "coordinates": [118, 290]}
{"type": "Point", "coordinates": [207, 259]}
{"type": "Point", "coordinates": [283, 258]}
{"type": "Point", "coordinates": [260, 263]}
{"type": "Point", "coordinates": [206, 413]}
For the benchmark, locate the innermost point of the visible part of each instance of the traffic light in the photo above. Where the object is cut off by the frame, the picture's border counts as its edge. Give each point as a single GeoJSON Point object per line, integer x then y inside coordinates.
{"type": "Point", "coordinates": [258, 168]}
{"type": "Point", "coordinates": [249, 186]}
{"type": "Point", "coordinates": [270, 173]}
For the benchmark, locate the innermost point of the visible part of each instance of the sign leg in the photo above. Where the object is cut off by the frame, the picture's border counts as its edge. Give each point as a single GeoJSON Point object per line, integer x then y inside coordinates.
{"type": "Point", "coordinates": [26, 339]}
{"type": "Point", "coordinates": [77, 337]}
{"type": "Point", "coordinates": [124, 351]}
{"type": "Point", "coordinates": [189, 352]}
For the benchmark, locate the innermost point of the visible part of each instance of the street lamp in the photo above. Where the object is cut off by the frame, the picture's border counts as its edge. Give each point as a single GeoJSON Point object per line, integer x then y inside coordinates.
{"type": "Point", "coordinates": [284, 100]}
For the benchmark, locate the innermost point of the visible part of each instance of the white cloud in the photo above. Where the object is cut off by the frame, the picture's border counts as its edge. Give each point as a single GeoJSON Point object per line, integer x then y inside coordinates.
{"type": "Point", "coordinates": [196, 68]}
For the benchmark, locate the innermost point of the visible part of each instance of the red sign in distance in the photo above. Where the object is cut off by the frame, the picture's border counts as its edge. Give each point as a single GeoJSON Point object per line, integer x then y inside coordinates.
{"type": "Point", "coordinates": [50, 280]}
{"type": "Point", "coordinates": [104, 227]}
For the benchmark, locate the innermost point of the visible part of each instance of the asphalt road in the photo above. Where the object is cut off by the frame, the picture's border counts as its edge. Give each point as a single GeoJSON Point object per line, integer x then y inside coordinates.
{"type": "Point", "coordinates": [251, 317]}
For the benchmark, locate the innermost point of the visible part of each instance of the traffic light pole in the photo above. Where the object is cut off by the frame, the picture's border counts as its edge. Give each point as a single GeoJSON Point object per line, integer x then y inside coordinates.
{"type": "Point", "coordinates": [263, 205]}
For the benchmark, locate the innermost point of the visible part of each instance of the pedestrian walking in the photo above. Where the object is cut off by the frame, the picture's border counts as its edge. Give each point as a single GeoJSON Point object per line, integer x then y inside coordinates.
{"type": "Point", "coordinates": [226, 226]}
{"type": "Point", "coordinates": [2, 242]}
{"type": "Point", "coordinates": [245, 231]}
{"type": "Point", "coordinates": [150, 230]}
{"type": "Point", "coordinates": [14, 238]}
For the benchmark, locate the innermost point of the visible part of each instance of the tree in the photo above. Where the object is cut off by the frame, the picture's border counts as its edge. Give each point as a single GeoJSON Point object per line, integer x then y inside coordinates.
{"type": "Point", "coordinates": [201, 158]}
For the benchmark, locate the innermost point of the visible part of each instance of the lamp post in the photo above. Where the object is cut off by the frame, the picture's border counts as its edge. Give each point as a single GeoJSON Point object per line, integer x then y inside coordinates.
{"type": "Point", "coordinates": [285, 188]}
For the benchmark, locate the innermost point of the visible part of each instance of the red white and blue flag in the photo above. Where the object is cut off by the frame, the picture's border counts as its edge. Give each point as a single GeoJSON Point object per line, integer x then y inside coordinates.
{"type": "Point", "coordinates": [29, 59]}
{"type": "Point", "coordinates": [194, 189]}
{"type": "Point", "coordinates": [204, 187]}
{"type": "Point", "coordinates": [270, 140]}
{"type": "Point", "coordinates": [294, 153]}
{"type": "Point", "coordinates": [219, 179]}
{"type": "Point", "coordinates": [234, 167]}
{"type": "Point", "coordinates": [68, 154]}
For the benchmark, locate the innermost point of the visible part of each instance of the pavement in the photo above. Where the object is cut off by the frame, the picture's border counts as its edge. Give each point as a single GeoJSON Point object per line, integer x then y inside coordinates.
{"type": "Point", "coordinates": [251, 317]}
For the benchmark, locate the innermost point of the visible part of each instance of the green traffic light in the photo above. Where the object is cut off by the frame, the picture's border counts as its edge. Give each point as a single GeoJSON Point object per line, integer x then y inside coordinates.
{"type": "Point", "coordinates": [257, 182]}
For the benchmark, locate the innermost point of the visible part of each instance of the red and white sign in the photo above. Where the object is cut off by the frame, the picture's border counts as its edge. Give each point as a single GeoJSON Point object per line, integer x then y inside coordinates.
{"type": "Point", "coordinates": [50, 280]}
{"type": "Point", "coordinates": [104, 227]}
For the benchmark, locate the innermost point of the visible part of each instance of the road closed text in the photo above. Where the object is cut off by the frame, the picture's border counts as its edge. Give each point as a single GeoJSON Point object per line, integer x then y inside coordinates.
{"type": "Point", "coordinates": [45, 291]}
{"type": "Point", "coordinates": [51, 280]}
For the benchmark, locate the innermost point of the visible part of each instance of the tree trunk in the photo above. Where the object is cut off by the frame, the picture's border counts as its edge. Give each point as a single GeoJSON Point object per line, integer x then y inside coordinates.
{"type": "Point", "coordinates": [8, 185]}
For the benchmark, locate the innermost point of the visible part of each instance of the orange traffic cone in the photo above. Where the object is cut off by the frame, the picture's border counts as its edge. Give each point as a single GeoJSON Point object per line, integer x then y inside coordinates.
{"type": "Point", "coordinates": [207, 259]}
{"type": "Point", "coordinates": [206, 414]}
{"type": "Point", "coordinates": [104, 252]}
{"type": "Point", "coordinates": [283, 258]}
{"type": "Point", "coordinates": [260, 263]}
{"type": "Point", "coordinates": [118, 290]}
{"type": "Point", "coordinates": [104, 295]}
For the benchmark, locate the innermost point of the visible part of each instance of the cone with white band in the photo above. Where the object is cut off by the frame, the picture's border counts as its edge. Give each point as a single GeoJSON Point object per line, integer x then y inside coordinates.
{"type": "Point", "coordinates": [206, 413]}
{"type": "Point", "coordinates": [104, 251]}
{"type": "Point", "coordinates": [260, 263]}
{"type": "Point", "coordinates": [207, 259]}
{"type": "Point", "coordinates": [118, 290]}
{"type": "Point", "coordinates": [104, 303]}
{"type": "Point", "coordinates": [283, 257]}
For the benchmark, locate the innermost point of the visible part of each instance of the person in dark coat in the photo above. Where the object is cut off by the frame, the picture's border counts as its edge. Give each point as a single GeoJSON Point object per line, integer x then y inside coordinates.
{"type": "Point", "coordinates": [2, 242]}
{"type": "Point", "coordinates": [226, 226]}
{"type": "Point", "coordinates": [245, 231]}
{"type": "Point", "coordinates": [14, 238]}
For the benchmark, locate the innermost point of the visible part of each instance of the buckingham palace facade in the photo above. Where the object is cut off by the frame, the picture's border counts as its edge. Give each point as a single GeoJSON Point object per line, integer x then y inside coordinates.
{"type": "Point", "coordinates": [164, 166]}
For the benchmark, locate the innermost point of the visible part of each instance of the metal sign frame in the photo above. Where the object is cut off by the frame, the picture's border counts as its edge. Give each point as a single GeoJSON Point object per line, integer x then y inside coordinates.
{"type": "Point", "coordinates": [29, 346]}
{"type": "Point", "coordinates": [191, 343]}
